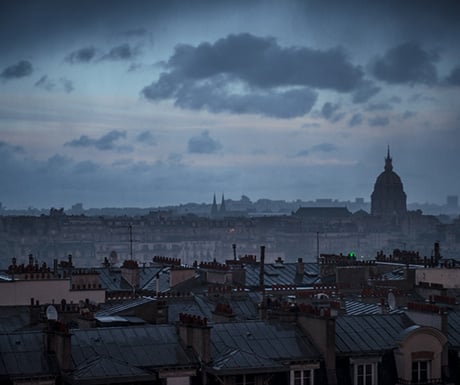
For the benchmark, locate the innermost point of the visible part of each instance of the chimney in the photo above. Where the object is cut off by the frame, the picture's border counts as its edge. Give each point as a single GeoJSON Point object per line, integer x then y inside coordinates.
{"type": "Point", "coordinates": [437, 253]}
{"type": "Point", "coordinates": [194, 332]}
{"type": "Point", "coordinates": [300, 267]}
{"type": "Point", "coordinates": [321, 329]}
{"type": "Point", "coordinates": [262, 267]}
{"type": "Point", "coordinates": [234, 251]}
{"type": "Point", "coordinates": [130, 273]}
{"type": "Point", "coordinates": [58, 341]}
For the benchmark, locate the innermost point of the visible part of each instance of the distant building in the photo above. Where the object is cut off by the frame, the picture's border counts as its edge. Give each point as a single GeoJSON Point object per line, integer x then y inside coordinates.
{"type": "Point", "coordinates": [451, 202]}
{"type": "Point", "coordinates": [388, 198]}
{"type": "Point", "coordinates": [218, 212]}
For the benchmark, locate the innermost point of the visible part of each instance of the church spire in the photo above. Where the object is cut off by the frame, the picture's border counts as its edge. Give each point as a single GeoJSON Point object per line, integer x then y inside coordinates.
{"type": "Point", "coordinates": [214, 207]}
{"type": "Point", "coordinates": [388, 161]}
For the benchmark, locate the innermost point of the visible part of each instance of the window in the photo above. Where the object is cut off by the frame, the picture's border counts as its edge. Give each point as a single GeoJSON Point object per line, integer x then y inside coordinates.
{"type": "Point", "coordinates": [302, 377]}
{"type": "Point", "coordinates": [364, 374]}
{"type": "Point", "coordinates": [421, 371]}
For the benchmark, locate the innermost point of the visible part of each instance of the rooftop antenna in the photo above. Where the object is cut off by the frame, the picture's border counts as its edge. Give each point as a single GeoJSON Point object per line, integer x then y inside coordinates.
{"type": "Point", "coordinates": [131, 241]}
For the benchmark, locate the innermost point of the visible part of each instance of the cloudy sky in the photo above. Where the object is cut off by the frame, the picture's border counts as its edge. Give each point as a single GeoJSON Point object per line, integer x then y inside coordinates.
{"type": "Point", "coordinates": [149, 103]}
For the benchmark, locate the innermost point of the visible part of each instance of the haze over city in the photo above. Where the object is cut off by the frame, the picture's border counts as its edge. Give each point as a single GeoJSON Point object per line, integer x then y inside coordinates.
{"type": "Point", "coordinates": [149, 103]}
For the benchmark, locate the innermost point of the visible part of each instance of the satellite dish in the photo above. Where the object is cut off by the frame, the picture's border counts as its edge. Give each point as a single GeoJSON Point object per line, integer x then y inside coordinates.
{"type": "Point", "coordinates": [391, 300]}
{"type": "Point", "coordinates": [51, 313]}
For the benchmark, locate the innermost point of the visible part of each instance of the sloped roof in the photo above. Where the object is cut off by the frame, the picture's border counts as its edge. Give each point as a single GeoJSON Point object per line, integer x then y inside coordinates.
{"type": "Point", "coordinates": [124, 306]}
{"type": "Point", "coordinates": [236, 360]}
{"type": "Point", "coordinates": [357, 307]}
{"type": "Point", "coordinates": [22, 354]}
{"type": "Point", "coordinates": [453, 330]}
{"type": "Point", "coordinates": [101, 369]}
{"type": "Point", "coordinates": [147, 346]}
{"type": "Point", "coordinates": [111, 279]}
{"type": "Point", "coordinates": [282, 274]}
{"type": "Point", "coordinates": [260, 343]}
{"type": "Point", "coordinates": [367, 334]}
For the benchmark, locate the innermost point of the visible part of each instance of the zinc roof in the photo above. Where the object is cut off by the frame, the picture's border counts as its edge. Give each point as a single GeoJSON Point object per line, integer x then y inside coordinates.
{"type": "Point", "coordinates": [282, 274]}
{"type": "Point", "coordinates": [367, 334]}
{"type": "Point", "coordinates": [146, 346]}
{"type": "Point", "coordinates": [262, 344]}
{"type": "Point", "coordinates": [21, 354]}
{"type": "Point", "coordinates": [101, 369]}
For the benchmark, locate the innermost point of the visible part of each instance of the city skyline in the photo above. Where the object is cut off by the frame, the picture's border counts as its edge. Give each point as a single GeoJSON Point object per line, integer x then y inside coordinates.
{"type": "Point", "coordinates": [154, 104]}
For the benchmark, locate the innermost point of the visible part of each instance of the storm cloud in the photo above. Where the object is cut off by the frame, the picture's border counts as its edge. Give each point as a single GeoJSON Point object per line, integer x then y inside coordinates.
{"type": "Point", "coordinates": [203, 144]}
{"type": "Point", "coordinates": [406, 63]}
{"type": "Point", "coordinates": [240, 73]}
{"type": "Point", "coordinates": [15, 71]}
{"type": "Point", "coordinates": [104, 143]}
{"type": "Point", "coordinates": [61, 84]}
{"type": "Point", "coordinates": [82, 55]}
{"type": "Point", "coordinates": [121, 52]}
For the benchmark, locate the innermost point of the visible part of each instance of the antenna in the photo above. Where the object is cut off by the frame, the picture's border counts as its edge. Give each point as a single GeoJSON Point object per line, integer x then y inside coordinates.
{"type": "Point", "coordinates": [131, 241]}
{"type": "Point", "coordinates": [51, 313]}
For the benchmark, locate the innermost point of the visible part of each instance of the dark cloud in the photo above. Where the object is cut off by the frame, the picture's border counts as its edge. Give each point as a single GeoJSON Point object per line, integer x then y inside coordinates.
{"type": "Point", "coordinates": [8, 148]}
{"type": "Point", "coordinates": [454, 77]}
{"type": "Point", "coordinates": [261, 62]}
{"type": "Point", "coordinates": [302, 153]}
{"type": "Point", "coordinates": [61, 84]}
{"type": "Point", "coordinates": [330, 112]}
{"type": "Point", "coordinates": [104, 143]}
{"type": "Point", "coordinates": [15, 71]}
{"type": "Point", "coordinates": [379, 121]}
{"type": "Point", "coordinates": [146, 137]}
{"type": "Point", "coordinates": [203, 144]}
{"type": "Point", "coordinates": [365, 91]}
{"type": "Point", "coordinates": [409, 114]}
{"type": "Point", "coordinates": [82, 55]}
{"type": "Point", "coordinates": [355, 120]}
{"type": "Point", "coordinates": [406, 63]}
{"type": "Point", "coordinates": [205, 76]}
{"type": "Point", "coordinates": [121, 52]}
{"type": "Point", "coordinates": [277, 104]}
{"type": "Point", "coordinates": [324, 147]}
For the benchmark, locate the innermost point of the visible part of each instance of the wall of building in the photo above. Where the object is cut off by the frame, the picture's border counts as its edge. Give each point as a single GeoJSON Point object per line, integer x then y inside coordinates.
{"type": "Point", "coordinates": [20, 292]}
{"type": "Point", "coordinates": [449, 278]}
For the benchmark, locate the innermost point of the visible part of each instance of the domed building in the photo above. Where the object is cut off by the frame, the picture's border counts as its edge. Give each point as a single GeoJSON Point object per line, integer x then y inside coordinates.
{"type": "Point", "coordinates": [388, 198]}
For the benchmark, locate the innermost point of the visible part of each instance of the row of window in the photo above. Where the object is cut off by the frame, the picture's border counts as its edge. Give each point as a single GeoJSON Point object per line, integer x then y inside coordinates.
{"type": "Point", "coordinates": [363, 374]}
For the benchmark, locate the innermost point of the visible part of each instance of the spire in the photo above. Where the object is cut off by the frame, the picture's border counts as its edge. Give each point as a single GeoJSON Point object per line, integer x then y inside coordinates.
{"type": "Point", "coordinates": [214, 206]}
{"type": "Point", "coordinates": [222, 204]}
{"type": "Point", "coordinates": [388, 161]}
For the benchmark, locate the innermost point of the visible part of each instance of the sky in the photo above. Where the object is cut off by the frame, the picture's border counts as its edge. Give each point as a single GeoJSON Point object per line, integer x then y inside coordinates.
{"type": "Point", "coordinates": [152, 103]}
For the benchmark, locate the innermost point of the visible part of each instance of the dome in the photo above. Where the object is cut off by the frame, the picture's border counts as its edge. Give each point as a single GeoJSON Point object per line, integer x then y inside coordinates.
{"type": "Point", "coordinates": [388, 197]}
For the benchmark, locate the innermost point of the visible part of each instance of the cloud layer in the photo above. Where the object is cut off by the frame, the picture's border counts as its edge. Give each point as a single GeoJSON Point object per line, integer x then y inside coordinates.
{"type": "Point", "coordinates": [249, 74]}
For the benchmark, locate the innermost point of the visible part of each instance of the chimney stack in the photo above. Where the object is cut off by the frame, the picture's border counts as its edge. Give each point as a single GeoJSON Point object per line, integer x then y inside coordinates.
{"type": "Point", "coordinates": [57, 341]}
{"type": "Point", "coordinates": [234, 251]}
{"type": "Point", "coordinates": [262, 267]}
{"type": "Point", "coordinates": [300, 267]}
{"type": "Point", "coordinates": [195, 333]}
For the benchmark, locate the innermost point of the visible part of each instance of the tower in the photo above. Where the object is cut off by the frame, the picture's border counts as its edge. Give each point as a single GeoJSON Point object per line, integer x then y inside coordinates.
{"type": "Point", "coordinates": [222, 205]}
{"type": "Point", "coordinates": [388, 198]}
{"type": "Point", "coordinates": [214, 211]}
